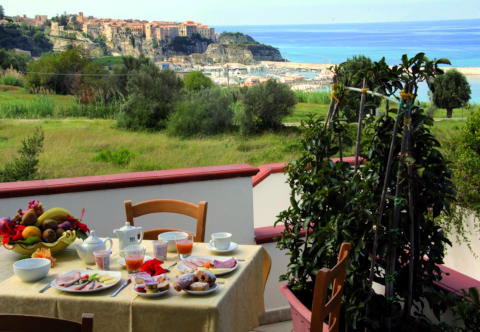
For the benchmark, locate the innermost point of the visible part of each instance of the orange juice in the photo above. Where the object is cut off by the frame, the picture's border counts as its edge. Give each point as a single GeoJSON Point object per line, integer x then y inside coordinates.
{"type": "Point", "coordinates": [184, 246]}
{"type": "Point", "coordinates": [134, 263]}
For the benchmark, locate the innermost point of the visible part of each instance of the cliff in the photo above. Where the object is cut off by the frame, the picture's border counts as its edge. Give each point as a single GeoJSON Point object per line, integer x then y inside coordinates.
{"type": "Point", "coordinates": [238, 47]}
{"type": "Point", "coordinates": [231, 47]}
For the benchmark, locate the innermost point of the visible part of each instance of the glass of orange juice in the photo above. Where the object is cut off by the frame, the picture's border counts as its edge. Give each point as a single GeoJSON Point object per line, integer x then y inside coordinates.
{"type": "Point", "coordinates": [134, 255]}
{"type": "Point", "coordinates": [185, 246]}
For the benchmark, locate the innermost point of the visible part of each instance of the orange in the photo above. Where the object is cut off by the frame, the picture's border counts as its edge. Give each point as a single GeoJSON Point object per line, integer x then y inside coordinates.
{"type": "Point", "coordinates": [31, 231]}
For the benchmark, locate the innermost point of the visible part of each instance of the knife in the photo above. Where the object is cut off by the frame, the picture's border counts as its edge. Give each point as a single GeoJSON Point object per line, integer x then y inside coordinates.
{"type": "Point", "coordinates": [170, 266]}
{"type": "Point", "coordinates": [122, 286]}
{"type": "Point", "coordinates": [45, 288]}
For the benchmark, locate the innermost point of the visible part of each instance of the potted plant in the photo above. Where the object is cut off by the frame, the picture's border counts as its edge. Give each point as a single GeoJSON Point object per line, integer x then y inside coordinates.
{"type": "Point", "coordinates": [385, 209]}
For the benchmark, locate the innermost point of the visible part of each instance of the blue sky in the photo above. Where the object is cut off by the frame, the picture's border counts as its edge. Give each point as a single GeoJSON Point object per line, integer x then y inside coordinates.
{"type": "Point", "coordinates": [256, 12]}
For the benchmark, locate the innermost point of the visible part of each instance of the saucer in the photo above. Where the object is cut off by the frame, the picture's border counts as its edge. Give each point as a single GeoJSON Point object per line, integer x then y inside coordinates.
{"type": "Point", "coordinates": [232, 247]}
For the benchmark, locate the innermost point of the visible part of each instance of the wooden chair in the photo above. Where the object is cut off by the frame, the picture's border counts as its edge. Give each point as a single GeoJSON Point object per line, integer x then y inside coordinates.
{"type": "Point", "coordinates": [320, 307]}
{"type": "Point", "coordinates": [198, 212]}
{"type": "Point", "coordinates": [31, 323]}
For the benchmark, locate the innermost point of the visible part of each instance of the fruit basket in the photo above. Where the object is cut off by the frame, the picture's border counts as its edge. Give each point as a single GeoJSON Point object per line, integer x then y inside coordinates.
{"type": "Point", "coordinates": [55, 247]}
{"type": "Point", "coordinates": [33, 229]}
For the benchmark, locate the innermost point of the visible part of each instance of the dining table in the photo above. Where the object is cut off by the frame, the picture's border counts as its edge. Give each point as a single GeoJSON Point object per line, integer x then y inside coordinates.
{"type": "Point", "coordinates": [235, 306]}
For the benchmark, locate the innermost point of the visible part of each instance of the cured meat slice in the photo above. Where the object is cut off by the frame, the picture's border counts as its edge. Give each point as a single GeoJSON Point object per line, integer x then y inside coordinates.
{"type": "Point", "coordinates": [229, 263]}
{"type": "Point", "coordinates": [68, 280]}
{"type": "Point", "coordinates": [196, 262]}
{"type": "Point", "coordinates": [190, 264]}
{"type": "Point", "coordinates": [82, 286]}
{"type": "Point", "coordinates": [203, 260]}
{"type": "Point", "coordinates": [91, 286]}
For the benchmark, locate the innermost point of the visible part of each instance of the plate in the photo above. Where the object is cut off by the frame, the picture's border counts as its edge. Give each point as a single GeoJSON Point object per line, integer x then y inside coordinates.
{"type": "Point", "coordinates": [217, 272]}
{"type": "Point", "coordinates": [115, 274]}
{"type": "Point", "coordinates": [150, 294]}
{"type": "Point", "coordinates": [232, 247]}
{"type": "Point", "coordinates": [121, 260]}
{"type": "Point", "coordinates": [205, 292]}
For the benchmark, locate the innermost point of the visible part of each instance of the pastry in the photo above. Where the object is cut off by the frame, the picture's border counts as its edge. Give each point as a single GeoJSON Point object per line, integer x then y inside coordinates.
{"type": "Point", "coordinates": [184, 281]}
{"type": "Point", "coordinates": [163, 286]}
{"type": "Point", "coordinates": [206, 276]}
{"type": "Point", "coordinates": [199, 286]}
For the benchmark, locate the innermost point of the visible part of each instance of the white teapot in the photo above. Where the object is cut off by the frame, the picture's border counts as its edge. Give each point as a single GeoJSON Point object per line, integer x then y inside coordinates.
{"type": "Point", "coordinates": [128, 235]}
{"type": "Point", "coordinates": [92, 243]}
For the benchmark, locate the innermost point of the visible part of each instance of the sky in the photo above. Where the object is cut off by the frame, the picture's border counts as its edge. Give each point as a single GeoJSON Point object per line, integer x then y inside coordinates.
{"type": "Point", "coordinates": [255, 12]}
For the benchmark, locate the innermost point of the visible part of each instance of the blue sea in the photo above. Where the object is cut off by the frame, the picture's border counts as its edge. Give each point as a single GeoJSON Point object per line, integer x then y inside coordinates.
{"type": "Point", "coordinates": [458, 41]}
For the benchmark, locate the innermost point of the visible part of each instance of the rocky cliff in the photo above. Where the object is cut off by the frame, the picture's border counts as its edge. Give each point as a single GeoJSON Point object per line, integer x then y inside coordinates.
{"type": "Point", "coordinates": [231, 47]}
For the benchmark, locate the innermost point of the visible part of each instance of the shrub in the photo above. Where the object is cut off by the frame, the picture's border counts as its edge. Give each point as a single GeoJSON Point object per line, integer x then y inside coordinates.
{"type": "Point", "coordinates": [11, 80]}
{"type": "Point", "coordinates": [267, 103]}
{"type": "Point", "coordinates": [120, 157]}
{"type": "Point", "coordinates": [25, 166]}
{"type": "Point", "coordinates": [206, 112]}
{"type": "Point", "coordinates": [95, 110]}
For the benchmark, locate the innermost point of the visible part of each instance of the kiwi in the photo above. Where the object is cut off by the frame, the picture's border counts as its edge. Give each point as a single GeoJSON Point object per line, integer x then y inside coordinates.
{"type": "Point", "coordinates": [49, 223]}
{"type": "Point", "coordinates": [49, 235]}
{"type": "Point", "coordinates": [29, 218]}
{"type": "Point", "coordinates": [60, 232]}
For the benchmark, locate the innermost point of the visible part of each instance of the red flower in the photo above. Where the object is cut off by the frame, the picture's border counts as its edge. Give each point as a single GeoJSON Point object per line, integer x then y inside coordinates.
{"type": "Point", "coordinates": [153, 267]}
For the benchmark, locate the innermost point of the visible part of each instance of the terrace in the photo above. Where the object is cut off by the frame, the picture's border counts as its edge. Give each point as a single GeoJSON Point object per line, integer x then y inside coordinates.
{"type": "Point", "coordinates": [242, 199]}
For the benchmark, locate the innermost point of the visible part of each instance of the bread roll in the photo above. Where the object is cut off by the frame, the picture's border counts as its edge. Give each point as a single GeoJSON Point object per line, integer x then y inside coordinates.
{"type": "Point", "coordinates": [199, 286]}
{"type": "Point", "coordinates": [183, 281]}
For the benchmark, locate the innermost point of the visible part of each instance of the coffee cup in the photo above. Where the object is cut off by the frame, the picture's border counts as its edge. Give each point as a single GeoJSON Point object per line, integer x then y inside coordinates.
{"type": "Point", "coordinates": [221, 240]}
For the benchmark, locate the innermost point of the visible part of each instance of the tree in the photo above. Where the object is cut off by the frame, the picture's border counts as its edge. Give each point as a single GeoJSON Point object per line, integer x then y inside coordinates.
{"type": "Point", "coordinates": [196, 81]}
{"type": "Point", "coordinates": [351, 73]}
{"type": "Point", "coordinates": [451, 90]}
{"type": "Point", "coordinates": [2, 12]}
{"type": "Point", "coordinates": [152, 94]}
{"type": "Point", "coordinates": [17, 61]}
{"type": "Point", "coordinates": [267, 103]}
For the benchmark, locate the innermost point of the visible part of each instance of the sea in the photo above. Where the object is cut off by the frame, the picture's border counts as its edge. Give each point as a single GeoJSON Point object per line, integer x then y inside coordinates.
{"type": "Point", "coordinates": [456, 40]}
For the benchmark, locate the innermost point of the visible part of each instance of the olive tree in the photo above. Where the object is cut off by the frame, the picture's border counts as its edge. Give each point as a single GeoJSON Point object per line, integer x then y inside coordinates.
{"type": "Point", "coordinates": [451, 90]}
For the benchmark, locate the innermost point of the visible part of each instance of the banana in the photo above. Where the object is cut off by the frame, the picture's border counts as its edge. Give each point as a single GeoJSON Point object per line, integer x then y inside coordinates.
{"type": "Point", "coordinates": [57, 213]}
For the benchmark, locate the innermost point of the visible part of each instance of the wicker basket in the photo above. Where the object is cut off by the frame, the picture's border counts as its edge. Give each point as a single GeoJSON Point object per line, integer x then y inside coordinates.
{"type": "Point", "coordinates": [55, 247]}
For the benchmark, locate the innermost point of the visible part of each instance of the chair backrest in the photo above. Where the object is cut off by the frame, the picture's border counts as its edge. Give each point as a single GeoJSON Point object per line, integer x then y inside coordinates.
{"type": "Point", "coordinates": [30, 323]}
{"type": "Point", "coordinates": [198, 212]}
{"type": "Point", "coordinates": [320, 307]}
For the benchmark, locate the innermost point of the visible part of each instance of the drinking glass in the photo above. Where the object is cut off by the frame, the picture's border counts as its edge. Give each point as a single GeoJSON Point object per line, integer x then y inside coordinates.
{"type": "Point", "coordinates": [134, 255]}
{"type": "Point", "coordinates": [160, 249]}
{"type": "Point", "coordinates": [185, 246]}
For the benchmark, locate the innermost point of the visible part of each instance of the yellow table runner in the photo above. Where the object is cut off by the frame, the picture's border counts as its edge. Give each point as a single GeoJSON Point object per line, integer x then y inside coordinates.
{"type": "Point", "coordinates": [235, 306]}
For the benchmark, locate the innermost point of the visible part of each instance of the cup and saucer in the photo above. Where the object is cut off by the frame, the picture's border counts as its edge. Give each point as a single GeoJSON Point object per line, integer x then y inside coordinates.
{"type": "Point", "coordinates": [221, 242]}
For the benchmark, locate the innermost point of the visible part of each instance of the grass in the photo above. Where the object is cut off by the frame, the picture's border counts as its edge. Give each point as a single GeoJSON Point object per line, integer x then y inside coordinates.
{"type": "Point", "coordinates": [302, 110]}
{"type": "Point", "coordinates": [72, 145]}
{"type": "Point", "coordinates": [109, 61]}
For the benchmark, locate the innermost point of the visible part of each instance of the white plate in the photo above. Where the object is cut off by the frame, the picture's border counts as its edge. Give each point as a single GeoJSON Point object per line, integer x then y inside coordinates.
{"type": "Point", "coordinates": [150, 294]}
{"type": "Point", "coordinates": [121, 260]}
{"type": "Point", "coordinates": [205, 292]}
{"type": "Point", "coordinates": [115, 274]}
{"type": "Point", "coordinates": [232, 247]}
{"type": "Point", "coordinates": [211, 258]}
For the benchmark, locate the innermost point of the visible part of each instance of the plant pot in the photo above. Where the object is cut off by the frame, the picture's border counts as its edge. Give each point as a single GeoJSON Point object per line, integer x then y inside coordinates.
{"type": "Point", "coordinates": [301, 315]}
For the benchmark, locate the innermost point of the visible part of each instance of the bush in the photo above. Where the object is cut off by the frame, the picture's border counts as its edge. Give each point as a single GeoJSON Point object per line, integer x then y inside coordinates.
{"type": "Point", "coordinates": [11, 80]}
{"type": "Point", "coordinates": [120, 157]}
{"type": "Point", "coordinates": [266, 104]}
{"type": "Point", "coordinates": [95, 110]}
{"type": "Point", "coordinates": [206, 112]}
{"type": "Point", "coordinates": [25, 166]}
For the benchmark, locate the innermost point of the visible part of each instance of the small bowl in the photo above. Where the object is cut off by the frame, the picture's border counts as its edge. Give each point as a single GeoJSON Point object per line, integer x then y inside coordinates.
{"type": "Point", "coordinates": [171, 237]}
{"type": "Point", "coordinates": [31, 269]}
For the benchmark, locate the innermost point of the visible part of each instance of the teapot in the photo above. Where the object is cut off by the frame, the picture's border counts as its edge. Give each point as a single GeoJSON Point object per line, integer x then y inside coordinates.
{"type": "Point", "coordinates": [128, 235]}
{"type": "Point", "coordinates": [91, 243]}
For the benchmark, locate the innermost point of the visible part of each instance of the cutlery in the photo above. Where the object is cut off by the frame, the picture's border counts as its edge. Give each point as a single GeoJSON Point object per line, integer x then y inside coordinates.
{"type": "Point", "coordinates": [170, 266]}
{"type": "Point", "coordinates": [122, 286]}
{"type": "Point", "coordinates": [45, 288]}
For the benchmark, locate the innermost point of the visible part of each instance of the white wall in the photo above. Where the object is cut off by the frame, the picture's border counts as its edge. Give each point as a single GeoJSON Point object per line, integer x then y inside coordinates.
{"type": "Point", "coordinates": [270, 196]}
{"type": "Point", "coordinates": [229, 206]}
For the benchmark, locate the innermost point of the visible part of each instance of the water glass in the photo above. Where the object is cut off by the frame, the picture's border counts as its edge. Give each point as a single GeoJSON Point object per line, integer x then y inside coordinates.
{"type": "Point", "coordinates": [160, 249]}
